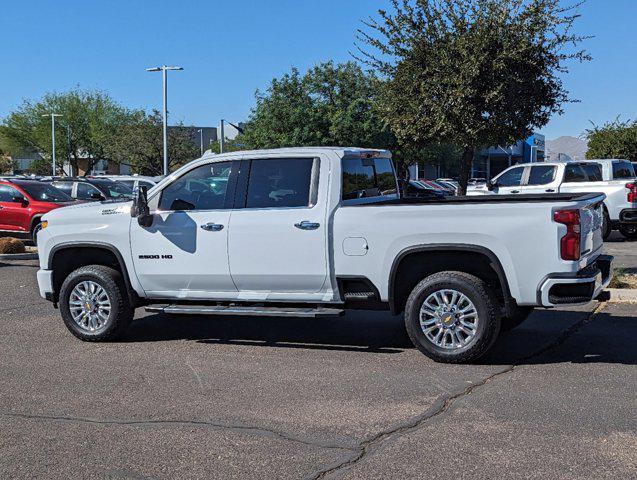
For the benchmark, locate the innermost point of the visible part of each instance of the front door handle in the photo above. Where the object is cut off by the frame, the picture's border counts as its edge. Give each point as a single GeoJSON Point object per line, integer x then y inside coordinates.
{"type": "Point", "coordinates": [549, 190]}
{"type": "Point", "coordinates": [212, 227]}
{"type": "Point", "coordinates": [515, 191]}
{"type": "Point", "coordinates": [305, 225]}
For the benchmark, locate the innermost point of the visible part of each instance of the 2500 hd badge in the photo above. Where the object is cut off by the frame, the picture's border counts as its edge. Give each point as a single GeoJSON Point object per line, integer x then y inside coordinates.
{"type": "Point", "coordinates": [155, 257]}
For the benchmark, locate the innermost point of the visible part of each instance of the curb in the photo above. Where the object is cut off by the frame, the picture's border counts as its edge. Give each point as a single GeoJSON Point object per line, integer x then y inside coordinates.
{"type": "Point", "coordinates": [19, 256]}
{"type": "Point", "coordinates": [622, 295]}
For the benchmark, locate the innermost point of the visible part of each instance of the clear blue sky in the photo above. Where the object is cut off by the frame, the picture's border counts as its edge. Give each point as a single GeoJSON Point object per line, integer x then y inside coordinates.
{"type": "Point", "coordinates": [231, 48]}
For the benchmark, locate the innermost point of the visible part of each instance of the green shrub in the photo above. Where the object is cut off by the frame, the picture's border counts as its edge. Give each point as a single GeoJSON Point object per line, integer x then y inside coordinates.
{"type": "Point", "coordinates": [11, 245]}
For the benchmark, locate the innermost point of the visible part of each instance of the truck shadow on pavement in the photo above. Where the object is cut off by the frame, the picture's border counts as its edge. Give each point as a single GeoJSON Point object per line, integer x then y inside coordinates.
{"type": "Point", "coordinates": [547, 337]}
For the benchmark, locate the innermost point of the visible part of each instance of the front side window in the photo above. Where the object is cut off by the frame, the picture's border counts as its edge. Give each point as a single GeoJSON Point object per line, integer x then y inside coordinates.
{"type": "Point", "coordinates": [114, 189]}
{"type": "Point", "coordinates": [45, 193]}
{"type": "Point", "coordinates": [574, 173]}
{"type": "Point", "coordinates": [368, 177]}
{"type": "Point", "coordinates": [86, 191]}
{"type": "Point", "coordinates": [511, 178]}
{"type": "Point", "coordinates": [623, 171]}
{"type": "Point", "coordinates": [7, 193]}
{"type": "Point", "coordinates": [593, 171]}
{"type": "Point", "coordinates": [66, 187]}
{"type": "Point", "coordinates": [282, 182]}
{"type": "Point", "coordinates": [541, 175]}
{"type": "Point", "coordinates": [202, 188]}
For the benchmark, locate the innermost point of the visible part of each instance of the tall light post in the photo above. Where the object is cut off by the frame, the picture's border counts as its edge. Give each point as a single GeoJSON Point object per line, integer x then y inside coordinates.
{"type": "Point", "coordinates": [53, 115]}
{"type": "Point", "coordinates": [200, 131]}
{"type": "Point", "coordinates": [163, 69]}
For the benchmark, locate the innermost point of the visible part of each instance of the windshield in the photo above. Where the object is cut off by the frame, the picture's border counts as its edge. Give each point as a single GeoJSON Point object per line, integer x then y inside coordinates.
{"type": "Point", "coordinates": [45, 192]}
{"type": "Point", "coordinates": [113, 189]}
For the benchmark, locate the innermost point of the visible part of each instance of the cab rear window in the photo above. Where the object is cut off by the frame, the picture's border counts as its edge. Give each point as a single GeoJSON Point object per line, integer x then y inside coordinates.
{"type": "Point", "coordinates": [368, 178]}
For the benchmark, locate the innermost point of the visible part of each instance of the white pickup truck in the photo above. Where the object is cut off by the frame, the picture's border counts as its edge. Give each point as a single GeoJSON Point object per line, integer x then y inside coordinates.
{"type": "Point", "coordinates": [309, 232]}
{"type": "Point", "coordinates": [614, 178]}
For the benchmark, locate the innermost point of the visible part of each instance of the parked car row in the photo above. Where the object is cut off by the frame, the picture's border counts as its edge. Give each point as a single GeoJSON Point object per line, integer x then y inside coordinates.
{"type": "Point", "coordinates": [25, 199]}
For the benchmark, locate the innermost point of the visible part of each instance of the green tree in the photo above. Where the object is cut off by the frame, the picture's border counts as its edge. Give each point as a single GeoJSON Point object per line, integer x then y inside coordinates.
{"type": "Point", "coordinates": [88, 118]}
{"type": "Point", "coordinates": [613, 140]}
{"type": "Point", "coordinates": [331, 104]}
{"type": "Point", "coordinates": [139, 143]}
{"type": "Point", "coordinates": [471, 73]}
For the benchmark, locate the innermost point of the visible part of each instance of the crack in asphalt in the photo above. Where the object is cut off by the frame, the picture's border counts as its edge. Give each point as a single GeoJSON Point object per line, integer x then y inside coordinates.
{"type": "Point", "coordinates": [443, 404]}
{"type": "Point", "coordinates": [182, 423]}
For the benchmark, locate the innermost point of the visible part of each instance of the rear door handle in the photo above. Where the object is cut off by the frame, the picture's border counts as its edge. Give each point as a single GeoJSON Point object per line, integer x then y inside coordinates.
{"type": "Point", "coordinates": [305, 225]}
{"type": "Point", "coordinates": [212, 227]}
{"type": "Point", "coordinates": [549, 190]}
{"type": "Point", "coordinates": [515, 191]}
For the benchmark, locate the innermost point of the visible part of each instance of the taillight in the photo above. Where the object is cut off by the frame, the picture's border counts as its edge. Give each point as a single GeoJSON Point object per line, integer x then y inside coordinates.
{"type": "Point", "coordinates": [570, 243]}
{"type": "Point", "coordinates": [632, 192]}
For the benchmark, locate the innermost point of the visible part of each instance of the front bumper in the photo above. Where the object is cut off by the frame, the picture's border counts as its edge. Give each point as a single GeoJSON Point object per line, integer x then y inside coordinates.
{"type": "Point", "coordinates": [45, 283]}
{"type": "Point", "coordinates": [579, 288]}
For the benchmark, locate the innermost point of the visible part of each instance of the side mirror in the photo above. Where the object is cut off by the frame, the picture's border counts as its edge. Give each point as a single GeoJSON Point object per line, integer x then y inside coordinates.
{"type": "Point", "coordinates": [140, 207]}
{"type": "Point", "coordinates": [492, 185]}
{"type": "Point", "coordinates": [20, 199]}
{"type": "Point", "coordinates": [97, 196]}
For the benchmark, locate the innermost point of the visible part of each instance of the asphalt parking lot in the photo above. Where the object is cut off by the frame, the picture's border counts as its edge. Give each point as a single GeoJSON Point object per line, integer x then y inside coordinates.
{"type": "Point", "coordinates": [196, 397]}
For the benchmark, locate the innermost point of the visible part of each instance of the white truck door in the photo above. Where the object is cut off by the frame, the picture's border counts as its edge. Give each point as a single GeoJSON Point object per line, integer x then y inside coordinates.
{"type": "Point", "coordinates": [510, 181]}
{"type": "Point", "coordinates": [277, 239]}
{"type": "Point", "coordinates": [541, 179]}
{"type": "Point", "coordinates": [184, 252]}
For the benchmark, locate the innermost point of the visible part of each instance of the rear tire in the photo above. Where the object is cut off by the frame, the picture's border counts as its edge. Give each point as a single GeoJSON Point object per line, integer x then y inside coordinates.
{"type": "Point", "coordinates": [454, 345]}
{"type": "Point", "coordinates": [607, 228]}
{"type": "Point", "coordinates": [518, 317]}
{"type": "Point", "coordinates": [86, 315]}
{"type": "Point", "coordinates": [628, 231]}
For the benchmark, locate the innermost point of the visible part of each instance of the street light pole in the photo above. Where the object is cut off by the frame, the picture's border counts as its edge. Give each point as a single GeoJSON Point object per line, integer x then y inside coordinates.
{"type": "Point", "coordinates": [164, 69]}
{"type": "Point", "coordinates": [201, 139]}
{"type": "Point", "coordinates": [53, 115]}
{"type": "Point", "coordinates": [222, 140]}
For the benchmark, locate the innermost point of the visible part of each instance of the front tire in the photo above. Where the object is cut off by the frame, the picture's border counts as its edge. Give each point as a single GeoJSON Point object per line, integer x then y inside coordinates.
{"type": "Point", "coordinates": [452, 317]}
{"type": "Point", "coordinates": [94, 304]}
{"type": "Point", "coordinates": [628, 231]}
{"type": "Point", "coordinates": [607, 227]}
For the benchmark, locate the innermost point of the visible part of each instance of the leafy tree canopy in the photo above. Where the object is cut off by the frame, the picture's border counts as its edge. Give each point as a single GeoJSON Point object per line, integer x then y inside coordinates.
{"type": "Point", "coordinates": [88, 119]}
{"type": "Point", "coordinates": [331, 104]}
{"type": "Point", "coordinates": [615, 139]}
{"type": "Point", "coordinates": [470, 73]}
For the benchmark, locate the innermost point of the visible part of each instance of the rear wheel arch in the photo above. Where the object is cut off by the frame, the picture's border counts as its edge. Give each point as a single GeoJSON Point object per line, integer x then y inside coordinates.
{"type": "Point", "coordinates": [433, 258]}
{"type": "Point", "coordinates": [67, 257]}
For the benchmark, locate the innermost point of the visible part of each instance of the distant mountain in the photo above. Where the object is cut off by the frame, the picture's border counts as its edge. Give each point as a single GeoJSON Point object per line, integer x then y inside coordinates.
{"type": "Point", "coordinates": [574, 147]}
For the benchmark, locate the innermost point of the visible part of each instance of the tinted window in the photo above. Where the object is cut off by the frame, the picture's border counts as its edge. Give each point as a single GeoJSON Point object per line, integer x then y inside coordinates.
{"type": "Point", "coordinates": [113, 189]}
{"type": "Point", "coordinates": [623, 170]}
{"type": "Point", "coordinates": [86, 191]}
{"type": "Point", "coordinates": [202, 188]}
{"type": "Point", "coordinates": [7, 193]}
{"type": "Point", "coordinates": [541, 175]}
{"type": "Point", "coordinates": [368, 177]}
{"type": "Point", "coordinates": [511, 178]}
{"type": "Point", "coordinates": [280, 182]}
{"type": "Point", "coordinates": [45, 192]}
{"type": "Point", "coordinates": [66, 187]}
{"type": "Point", "coordinates": [593, 172]}
{"type": "Point", "coordinates": [574, 173]}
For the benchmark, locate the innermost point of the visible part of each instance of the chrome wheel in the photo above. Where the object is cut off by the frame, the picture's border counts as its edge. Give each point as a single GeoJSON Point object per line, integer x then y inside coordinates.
{"type": "Point", "coordinates": [90, 306]}
{"type": "Point", "coordinates": [448, 319]}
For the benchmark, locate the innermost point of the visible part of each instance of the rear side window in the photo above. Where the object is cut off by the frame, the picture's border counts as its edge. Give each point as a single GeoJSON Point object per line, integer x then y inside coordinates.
{"type": "Point", "coordinates": [282, 183]}
{"type": "Point", "coordinates": [574, 173]}
{"type": "Point", "coordinates": [368, 178]}
{"type": "Point", "coordinates": [66, 187]}
{"type": "Point", "coordinates": [593, 172]}
{"type": "Point", "coordinates": [541, 175]}
{"type": "Point", "coordinates": [511, 178]}
{"type": "Point", "coordinates": [623, 171]}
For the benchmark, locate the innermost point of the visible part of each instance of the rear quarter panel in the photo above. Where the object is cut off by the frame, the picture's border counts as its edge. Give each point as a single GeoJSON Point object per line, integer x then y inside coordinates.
{"type": "Point", "coordinates": [522, 236]}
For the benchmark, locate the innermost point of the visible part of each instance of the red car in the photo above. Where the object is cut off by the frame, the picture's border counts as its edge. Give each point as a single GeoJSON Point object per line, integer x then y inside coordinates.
{"type": "Point", "coordinates": [23, 202]}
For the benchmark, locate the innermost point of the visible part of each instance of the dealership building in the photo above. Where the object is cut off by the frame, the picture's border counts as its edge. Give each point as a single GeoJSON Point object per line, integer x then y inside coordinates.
{"type": "Point", "coordinates": [488, 162]}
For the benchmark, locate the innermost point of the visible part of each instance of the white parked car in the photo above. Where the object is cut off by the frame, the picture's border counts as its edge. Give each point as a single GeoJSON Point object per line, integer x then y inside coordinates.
{"type": "Point", "coordinates": [132, 180]}
{"type": "Point", "coordinates": [310, 232]}
{"type": "Point", "coordinates": [614, 178]}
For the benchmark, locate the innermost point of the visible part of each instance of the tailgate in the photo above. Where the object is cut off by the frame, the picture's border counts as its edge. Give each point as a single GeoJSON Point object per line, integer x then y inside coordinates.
{"type": "Point", "coordinates": [591, 218]}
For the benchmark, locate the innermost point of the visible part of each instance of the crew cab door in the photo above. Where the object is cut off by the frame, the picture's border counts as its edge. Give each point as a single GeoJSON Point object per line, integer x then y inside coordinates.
{"type": "Point", "coordinates": [184, 253]}
{"type": "Point", "coordinates": [14, 215]}
{"type": "Point", "coordinates": [510, 181]}
{"type": "Point", "coordinates": [277, 241]}
{"type": "Point", "coordinates": [582, 177]}
{"type": "Point", "coordinates": [541, 179]}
